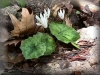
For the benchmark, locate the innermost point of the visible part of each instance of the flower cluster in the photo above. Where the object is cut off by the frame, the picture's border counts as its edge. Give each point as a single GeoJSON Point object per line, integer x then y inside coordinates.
{"type": "Point", "coordinates": [43, 19]}
{"type": "Point", "coordinates": [61, 13]}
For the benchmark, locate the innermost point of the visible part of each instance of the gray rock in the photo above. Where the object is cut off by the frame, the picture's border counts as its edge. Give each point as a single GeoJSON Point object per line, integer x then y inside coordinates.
{"type": "Point", "coordinates": [10, 10]}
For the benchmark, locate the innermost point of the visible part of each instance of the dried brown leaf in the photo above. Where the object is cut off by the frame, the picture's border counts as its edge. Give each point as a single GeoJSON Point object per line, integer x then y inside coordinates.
{"type": "Point", "coordinates": [15, 42]}
{"type": "Point", "coordinates": [55, 9]}
{"type": "Point", "coordinates": [25, 26]}
{"type": "Point", "coordinates": [68, 22]}
{"type": "Point", "coordinates": [78, 57]}
{"type": "Point", "coordinates": [13, 57]}
{"type": "Point", "coordinates": [17, 59]}
{"type": "Point", "coordinates": [38, 29]}
{"type": "Point", "coordinates": [77, 73]}
{"type": "Point", "coordinates": [69, 7]}
{"type": "Point", "coordinates": [8, 65]}
{"type": "Point", "coordinates": [26, 66]}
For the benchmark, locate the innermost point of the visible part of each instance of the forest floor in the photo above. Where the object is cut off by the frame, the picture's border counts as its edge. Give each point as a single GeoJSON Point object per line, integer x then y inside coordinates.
{"type": "Point", "coordinates": [66, 60]}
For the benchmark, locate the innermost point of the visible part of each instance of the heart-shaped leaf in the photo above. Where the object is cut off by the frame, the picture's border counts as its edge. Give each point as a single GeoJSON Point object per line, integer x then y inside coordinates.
{"type": "Point", "coordinates": [38, 45]}
{"type": "Point", "coordinates": [64, 33]}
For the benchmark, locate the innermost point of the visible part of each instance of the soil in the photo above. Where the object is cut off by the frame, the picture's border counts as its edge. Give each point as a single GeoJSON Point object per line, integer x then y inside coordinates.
{"type": "Point", "coordinates": [66, 60]}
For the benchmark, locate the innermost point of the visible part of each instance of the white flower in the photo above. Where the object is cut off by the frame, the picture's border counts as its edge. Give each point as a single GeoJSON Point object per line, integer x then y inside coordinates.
{"type": "Point", "coordinates": [43, 19]}
{"type": "Point", "coordinates": [61, 13]}
{"type": "Point", "coordinates": [47, 13]}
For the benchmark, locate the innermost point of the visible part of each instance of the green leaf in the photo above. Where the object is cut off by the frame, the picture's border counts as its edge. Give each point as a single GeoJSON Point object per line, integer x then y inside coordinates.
{"type": "Point", "coordinates": [78, 12]}
{"type": "Point", "coordinates": [74, 44]}
{"type": "Point", "coordinates": [22, 2]}
{"type": "Point", "coordinates": [63, 32]}
{"type": "Point", "coordinates": [38, 45]}
{"type": "Point", "coordinates": [4, 3]}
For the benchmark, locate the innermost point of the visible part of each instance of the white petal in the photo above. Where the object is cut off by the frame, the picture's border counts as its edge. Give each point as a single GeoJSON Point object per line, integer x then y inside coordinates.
{"type": "Point", "coordinates": [60, 11]}
{"type": "Point", "coordinates": [44, 15]}
{"type": "Point", "coordinates": [44, 22]}
{"type": "Point", "coordinates": [63, 12]}
{"type": "Point", "coordinates": [37, 17]}
{"type": "Point", "coordinates": [48, 12]}
{"type": "Point", "coordinates": [41, 16]}
{"type": "Point", "coordinates": [59, 14]}
{"type": "Point", "coordinates": [39, 24]}
{"type": "Point", "coordinates": [45, 12]}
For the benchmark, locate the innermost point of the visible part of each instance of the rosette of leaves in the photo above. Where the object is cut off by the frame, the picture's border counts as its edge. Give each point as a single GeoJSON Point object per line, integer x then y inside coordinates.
{"type": "Point", "coordinates": [64, 33]}
{"type": "Point", "coordinates": [38, 45]}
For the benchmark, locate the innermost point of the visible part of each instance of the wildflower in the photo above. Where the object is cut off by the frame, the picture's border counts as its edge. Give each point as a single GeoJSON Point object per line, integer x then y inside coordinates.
{"type": "Point", "coordinates": [43, 19]}
{"type": "Point", "coordinates": [61, 13]}
{"type": "Point", "coordinates": [47, 13]}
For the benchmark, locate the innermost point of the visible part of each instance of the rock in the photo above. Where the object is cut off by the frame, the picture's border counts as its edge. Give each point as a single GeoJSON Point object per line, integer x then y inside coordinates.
{"type": "Point", "coordinates": [10, 10]}
{"type": "Point", "coordinates": [1, 71]}
{"type": "Point", "coordinates": [1, 65]}
{"type": "Point", "coordinates": [94, 54]}
{"type": "Point", "coordinates": [90, 33]}
{"type": "Point", "coordinates": [4, 34]}
{"type": "Point", "coordinates": [61, 67]}
{"type": "Point", "coordinates": [5, 23]}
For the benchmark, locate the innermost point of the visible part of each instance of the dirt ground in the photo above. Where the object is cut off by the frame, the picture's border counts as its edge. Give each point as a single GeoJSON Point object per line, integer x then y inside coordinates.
{"type": "Point", "coordinates": [64, 61]}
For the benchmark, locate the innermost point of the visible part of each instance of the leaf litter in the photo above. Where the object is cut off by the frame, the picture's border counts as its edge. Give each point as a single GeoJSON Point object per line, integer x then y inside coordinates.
{"type": "Point", "coordinates": [20, 28]}
{"type": "Point", "coordinates": [25, 26]}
